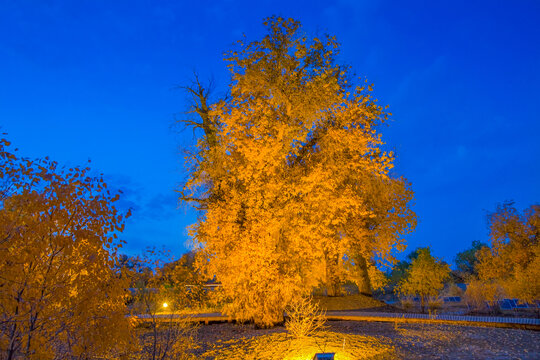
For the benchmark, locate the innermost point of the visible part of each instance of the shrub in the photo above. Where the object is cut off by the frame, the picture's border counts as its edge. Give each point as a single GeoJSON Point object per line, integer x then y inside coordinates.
{"type": "Point", "coordinates": [304, 318]}
{"type": "Point", "coordinates": [169, 339]}
{"type": "Point", "coordinates": [407, 304]}
{"type": "Point", "coordinates": [479, 294]}
{"type": "Point", "coordinates": [434, 306]}
{"type": "Point", "coordinates": [454, 290]}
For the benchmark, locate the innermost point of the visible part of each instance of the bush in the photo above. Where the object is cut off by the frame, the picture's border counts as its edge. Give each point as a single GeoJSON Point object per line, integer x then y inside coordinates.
{"type": "Point", "coordinates": [407, 304]}
{"type": "Point", "coordinates": [304, 318]}
{"type": "Point", "coordinates": [434, 306]}
{"type": "Point", "coordinates": [479, 294]}
{"type": "Point", "coordinates": [454, 290]}
{"type": "Point", "coordinates": [168, 339]}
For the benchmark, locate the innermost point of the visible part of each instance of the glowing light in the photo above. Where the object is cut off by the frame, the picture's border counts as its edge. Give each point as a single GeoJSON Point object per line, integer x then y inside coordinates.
{"type": "Point", "coordinates": [165, 304]}
{"type": "Point", "coordinates": [324, 356]}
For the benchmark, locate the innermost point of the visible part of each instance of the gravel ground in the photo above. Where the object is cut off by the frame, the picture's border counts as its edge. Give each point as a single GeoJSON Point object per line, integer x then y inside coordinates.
{"type": "Point", "coordinates": [428, 341]}
{"type": "Point", "coordinates": [411, 341]}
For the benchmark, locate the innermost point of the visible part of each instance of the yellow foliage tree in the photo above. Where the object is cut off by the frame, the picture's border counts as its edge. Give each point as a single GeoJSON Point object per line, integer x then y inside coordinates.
{"type": "Point", "coordinates": [291, 177]}
{"type": "Point", "coordinates": [481, 294]}
{"type": "Point", "coordinates": [512, 260]}
{"type": "Point", "coordinates": [425, 277]}
{"type": "Point", "coordinates": [59, 295]}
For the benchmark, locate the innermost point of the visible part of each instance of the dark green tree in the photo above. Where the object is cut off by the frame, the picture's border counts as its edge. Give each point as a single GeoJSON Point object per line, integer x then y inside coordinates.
{"type": "Point", "coordinates": [466, 260]}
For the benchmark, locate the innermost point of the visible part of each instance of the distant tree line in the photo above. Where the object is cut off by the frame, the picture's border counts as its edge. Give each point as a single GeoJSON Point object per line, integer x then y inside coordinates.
{"type": "Point", "coordinates": [506, 267]}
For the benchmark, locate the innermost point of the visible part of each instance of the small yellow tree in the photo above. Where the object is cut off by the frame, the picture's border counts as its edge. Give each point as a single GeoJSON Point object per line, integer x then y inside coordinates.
{"type": "Point", "coordinates": [59, 294]}
{"type": "Point", "coordinates": [425, 277]}
{"type": "Point", "coordinates": [513, 257]}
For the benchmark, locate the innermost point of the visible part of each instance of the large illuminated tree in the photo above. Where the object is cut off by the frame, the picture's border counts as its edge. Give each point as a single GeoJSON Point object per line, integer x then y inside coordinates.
{"type": "Point", "coordinates": [294, 188]}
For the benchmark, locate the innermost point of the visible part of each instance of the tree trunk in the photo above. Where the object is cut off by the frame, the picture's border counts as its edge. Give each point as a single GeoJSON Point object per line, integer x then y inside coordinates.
{"type": "Point", "coordinates": [12, 343]}
{"type": "Point", "coordinates": [333, 281]}
{"type": "Point", "coordinates": [422, 304]}
{"type": "Point", "coordinates": [364, 284]}
{"type": "Point", "coordinates": [13, 333]}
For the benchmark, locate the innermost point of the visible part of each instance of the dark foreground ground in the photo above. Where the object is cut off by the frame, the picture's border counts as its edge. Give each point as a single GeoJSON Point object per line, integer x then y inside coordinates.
{"type": "Point", "coordinates": [409, 341]}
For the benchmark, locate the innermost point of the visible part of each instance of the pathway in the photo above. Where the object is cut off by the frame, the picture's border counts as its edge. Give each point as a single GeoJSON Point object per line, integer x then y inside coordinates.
{"type": "Point", "coordinates": [528, 323]}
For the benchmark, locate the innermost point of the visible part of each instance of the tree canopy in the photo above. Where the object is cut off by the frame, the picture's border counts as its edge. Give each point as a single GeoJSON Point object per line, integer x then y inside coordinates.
{"type": "Point", "coordinates": [425, 277]}
{"type": "Point", "coordinates": [467, 260]}
{"type": "Point", "coordinates": [512, 261]}
{"type": "Point", "coordinates": [291, 175]}
{"type": "Point", "coordinates": [59, 294]}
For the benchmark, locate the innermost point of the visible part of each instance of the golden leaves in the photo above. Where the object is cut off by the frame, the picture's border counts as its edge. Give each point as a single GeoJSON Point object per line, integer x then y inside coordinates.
{"type": "Point", "coordinates": [297, 178]}
{"type": "Point", "coordinates": [57, 279]}
{"type": "Point", "coordinates": [512, 261]}
{"type": "Point", "coordinates": [425, 277]}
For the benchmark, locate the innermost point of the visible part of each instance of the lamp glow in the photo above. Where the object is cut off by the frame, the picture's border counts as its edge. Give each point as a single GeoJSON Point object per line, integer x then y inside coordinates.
{"type": "Point", "coordinates": [165, 304]}
{"type": "Point", "coordinates": [324, 356]}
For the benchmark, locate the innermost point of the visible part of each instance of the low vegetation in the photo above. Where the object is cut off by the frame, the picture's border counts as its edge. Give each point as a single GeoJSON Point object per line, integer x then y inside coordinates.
{"type": "Point", "coordinates": [304, 318]}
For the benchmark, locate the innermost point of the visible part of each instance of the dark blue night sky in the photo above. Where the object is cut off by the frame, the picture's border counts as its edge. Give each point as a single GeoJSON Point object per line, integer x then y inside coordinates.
{"type": "Point", "coordinates": [97, 80]}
